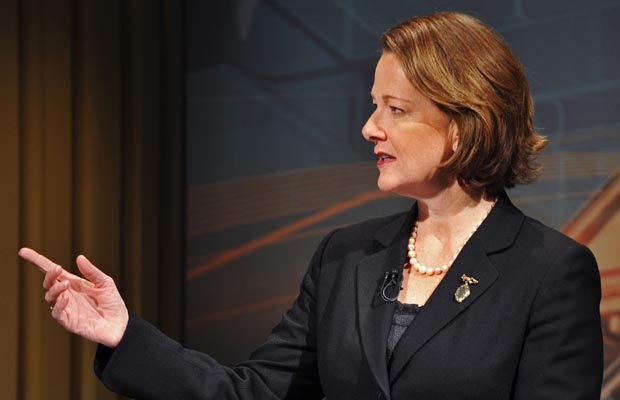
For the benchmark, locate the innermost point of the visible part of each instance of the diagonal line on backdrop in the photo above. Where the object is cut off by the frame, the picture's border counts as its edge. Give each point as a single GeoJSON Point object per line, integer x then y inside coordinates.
{"type": "Point", "coordinates": [242, 309]}
{"type": "Point", "coordinates": [273, 237]}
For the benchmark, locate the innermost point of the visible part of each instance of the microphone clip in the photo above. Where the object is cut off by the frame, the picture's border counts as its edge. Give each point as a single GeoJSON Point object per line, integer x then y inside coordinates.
{"type": "Point", "coordinates": [391, 286]}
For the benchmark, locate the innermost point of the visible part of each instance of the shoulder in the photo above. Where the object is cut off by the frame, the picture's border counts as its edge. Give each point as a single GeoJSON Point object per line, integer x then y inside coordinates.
{"type": "Point", "coordinates": [551, 244]}
{"type": "Point", "coordinates": [528, 252]}
{"type": "Point", "coordinates": [547, 261]}
{"type": "Point", "coordinates": [366, 229]}
{"type": "Point", "coordinates": [366, 235]}
{"type": "Point", "coordinates": [510, 233]}
{"type": "Point", "coordinates": [356, 241]}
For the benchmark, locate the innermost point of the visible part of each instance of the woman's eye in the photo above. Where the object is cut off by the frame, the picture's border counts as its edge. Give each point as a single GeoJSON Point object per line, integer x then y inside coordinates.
{"type": "Point", "coordinates": [395, 110]}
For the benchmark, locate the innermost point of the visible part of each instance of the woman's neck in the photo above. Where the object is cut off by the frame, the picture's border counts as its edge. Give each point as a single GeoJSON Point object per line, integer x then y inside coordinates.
{"type": "Point", "coordinates": [452, 212]}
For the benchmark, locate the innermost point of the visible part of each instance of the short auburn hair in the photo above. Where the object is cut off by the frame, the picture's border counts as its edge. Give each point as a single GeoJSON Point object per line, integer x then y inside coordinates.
{"type": "Point", "coordinates": [470, 72]}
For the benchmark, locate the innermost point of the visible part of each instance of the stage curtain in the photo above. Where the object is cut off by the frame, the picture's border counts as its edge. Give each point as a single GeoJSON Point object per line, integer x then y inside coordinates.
{"type": "Point", "coordinates": [91, 162]}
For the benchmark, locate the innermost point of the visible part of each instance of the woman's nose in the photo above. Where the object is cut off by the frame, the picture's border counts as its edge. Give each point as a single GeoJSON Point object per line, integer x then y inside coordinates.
{"type": "Point", "coordinates": [371, 131]}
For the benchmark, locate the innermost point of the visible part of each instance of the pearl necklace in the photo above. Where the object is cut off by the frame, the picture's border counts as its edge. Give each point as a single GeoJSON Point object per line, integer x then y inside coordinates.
{"type": "Point", "coordinates": [430, 271]}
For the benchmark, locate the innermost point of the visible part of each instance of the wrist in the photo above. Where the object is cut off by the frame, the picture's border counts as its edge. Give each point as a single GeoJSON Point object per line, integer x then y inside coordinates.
{"type": "Point", "coordinates": [115, 338]}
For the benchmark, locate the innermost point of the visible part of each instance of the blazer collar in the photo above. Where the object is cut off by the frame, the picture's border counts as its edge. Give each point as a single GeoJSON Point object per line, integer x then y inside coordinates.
{"type": "Point", "coordinates": [497, 232]}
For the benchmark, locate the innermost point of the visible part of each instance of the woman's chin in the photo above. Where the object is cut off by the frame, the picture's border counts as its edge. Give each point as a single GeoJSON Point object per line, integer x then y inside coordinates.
{"type": "Point", "coordinates": [387, 186]}
{"type": "Point", "coordinates": [383, 185]}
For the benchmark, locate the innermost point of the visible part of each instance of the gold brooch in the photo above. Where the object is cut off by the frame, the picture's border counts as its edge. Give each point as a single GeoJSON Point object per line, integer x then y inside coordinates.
{"type": "Point", "coordinates": [463, 291]}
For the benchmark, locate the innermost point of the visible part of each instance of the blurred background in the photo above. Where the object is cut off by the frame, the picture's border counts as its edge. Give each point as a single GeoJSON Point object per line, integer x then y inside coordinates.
{"type": "Point", "coordinates": [198, 151]}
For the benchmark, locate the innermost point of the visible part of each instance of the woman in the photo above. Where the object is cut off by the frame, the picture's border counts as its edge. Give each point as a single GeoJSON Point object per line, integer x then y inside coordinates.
{"type": "Point", "coordinates": [461, 297]}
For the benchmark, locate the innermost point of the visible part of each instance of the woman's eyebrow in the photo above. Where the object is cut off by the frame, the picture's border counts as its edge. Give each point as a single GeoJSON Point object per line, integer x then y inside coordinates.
{"type": "Point", "coordinates": [388, 97]}
{"type": "Point", "coordinates": [391, 97]}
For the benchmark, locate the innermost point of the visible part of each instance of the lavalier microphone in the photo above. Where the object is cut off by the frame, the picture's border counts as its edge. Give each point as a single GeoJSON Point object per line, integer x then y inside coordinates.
{"type": "Point", "coordinates": [391, 285]}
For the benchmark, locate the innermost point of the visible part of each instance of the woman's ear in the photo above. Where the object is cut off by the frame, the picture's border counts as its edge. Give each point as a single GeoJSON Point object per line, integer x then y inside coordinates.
{"type": "Point", "coordinates": [454, 134]}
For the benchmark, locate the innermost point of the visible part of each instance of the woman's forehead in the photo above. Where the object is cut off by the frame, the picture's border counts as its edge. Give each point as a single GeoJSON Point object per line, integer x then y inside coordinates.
{"type": "Point", "coordinates": [391, 81]}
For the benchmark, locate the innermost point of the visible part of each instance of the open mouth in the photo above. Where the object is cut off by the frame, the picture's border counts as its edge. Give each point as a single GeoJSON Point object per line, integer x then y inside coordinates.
{"type": "Point", "coordinates": [384, 158]}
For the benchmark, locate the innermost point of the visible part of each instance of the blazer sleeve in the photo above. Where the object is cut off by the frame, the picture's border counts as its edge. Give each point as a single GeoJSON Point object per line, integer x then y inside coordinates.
{"type": "Point", "coordinates": [562, 357]}
{"type": "Point", "coordinates": [148, 365]}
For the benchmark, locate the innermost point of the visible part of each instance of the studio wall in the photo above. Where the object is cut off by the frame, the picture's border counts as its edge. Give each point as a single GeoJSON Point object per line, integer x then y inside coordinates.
{"type": "Point", "coordinates": [277, 92]}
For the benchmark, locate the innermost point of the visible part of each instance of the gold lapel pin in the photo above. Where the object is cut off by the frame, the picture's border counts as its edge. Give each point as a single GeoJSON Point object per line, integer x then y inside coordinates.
{"type": "Point", "coordinates": [463, 291]}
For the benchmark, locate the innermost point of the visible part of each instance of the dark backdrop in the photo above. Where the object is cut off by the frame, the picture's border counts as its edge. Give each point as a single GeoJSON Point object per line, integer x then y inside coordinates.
{"type": "Point", "coordinates": [276, 95]}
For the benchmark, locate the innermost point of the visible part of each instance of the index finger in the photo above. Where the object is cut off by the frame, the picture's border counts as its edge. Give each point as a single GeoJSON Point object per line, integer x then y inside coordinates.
{"type": "Point", "coordinates": [44, 263]}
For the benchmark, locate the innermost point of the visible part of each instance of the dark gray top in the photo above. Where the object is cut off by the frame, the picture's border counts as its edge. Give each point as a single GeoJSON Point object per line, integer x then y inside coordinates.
{"type": "Point", "coordinates": [402, 318]}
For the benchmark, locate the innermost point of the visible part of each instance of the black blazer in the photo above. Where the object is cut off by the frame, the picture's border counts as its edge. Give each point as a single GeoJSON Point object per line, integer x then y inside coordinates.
{"type": "Point", "coordinates": [529, 330]}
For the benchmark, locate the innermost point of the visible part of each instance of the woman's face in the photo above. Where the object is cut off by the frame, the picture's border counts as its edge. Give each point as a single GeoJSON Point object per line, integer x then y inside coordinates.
{"type": "Point", "coordinates": [411, 134]}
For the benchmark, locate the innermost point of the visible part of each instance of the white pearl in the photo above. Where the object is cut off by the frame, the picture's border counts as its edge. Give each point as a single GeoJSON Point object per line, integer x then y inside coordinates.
{"type": "Point", "coordinates": [422, 269]}
{"type": "Point", "coordinates": [438, 270]}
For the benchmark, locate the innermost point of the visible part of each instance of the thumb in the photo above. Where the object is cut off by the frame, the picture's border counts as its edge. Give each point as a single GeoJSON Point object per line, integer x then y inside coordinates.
{"type": "Point", "coordinates": [90, 272]}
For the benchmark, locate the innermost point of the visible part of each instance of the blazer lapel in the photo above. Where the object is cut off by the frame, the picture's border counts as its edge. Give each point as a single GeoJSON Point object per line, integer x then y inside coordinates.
{"type": "Point", "coordinates": [441, 307]}
{"type": "Point", "coordinates": [375, 314]}
{"type": "Point", "coordinates": [497, 232]}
